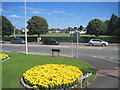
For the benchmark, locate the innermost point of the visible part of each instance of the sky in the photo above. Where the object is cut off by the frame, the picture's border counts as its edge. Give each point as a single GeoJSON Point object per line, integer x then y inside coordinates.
{"type": "Point", "coordinates": [59, 14]}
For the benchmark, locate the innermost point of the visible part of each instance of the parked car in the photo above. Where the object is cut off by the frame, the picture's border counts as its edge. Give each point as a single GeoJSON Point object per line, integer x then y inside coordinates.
{"type": "Point", "coordinates": [18, 40]}
{"type": "Point", "coordinates": [2, 41]}
{"type": "Point", "coordinates": [98, 42]}
{"type": "Point", "coordinates": [50, 42]}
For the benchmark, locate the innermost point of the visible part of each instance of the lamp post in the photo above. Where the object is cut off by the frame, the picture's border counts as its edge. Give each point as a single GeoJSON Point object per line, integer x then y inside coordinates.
{"type": "Point", "coordinates": [26, 47]}
{"type": "Point", "coordinates": [14, 27]}
{"type": "Point", "coordinates": [14, 32]}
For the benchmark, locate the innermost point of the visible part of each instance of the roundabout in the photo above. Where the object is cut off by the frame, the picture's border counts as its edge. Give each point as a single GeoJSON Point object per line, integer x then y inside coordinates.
{"type": "Point", "coordinates": [49, 76]}
{"type": "Point", "coordinates": [51, 72]}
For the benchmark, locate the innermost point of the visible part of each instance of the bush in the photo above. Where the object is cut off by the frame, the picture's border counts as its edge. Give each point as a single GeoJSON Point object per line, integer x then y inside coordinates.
{"type": "Point", "coordinates": [68, 39]}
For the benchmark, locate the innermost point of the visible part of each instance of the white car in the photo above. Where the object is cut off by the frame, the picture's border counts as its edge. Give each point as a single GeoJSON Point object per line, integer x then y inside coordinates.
{"type": "Point", "coordinates": [97, 42]}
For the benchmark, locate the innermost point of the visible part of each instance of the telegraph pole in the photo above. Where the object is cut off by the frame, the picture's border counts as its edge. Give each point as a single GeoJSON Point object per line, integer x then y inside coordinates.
{"type": "Point", "coordinates": [14, 27]}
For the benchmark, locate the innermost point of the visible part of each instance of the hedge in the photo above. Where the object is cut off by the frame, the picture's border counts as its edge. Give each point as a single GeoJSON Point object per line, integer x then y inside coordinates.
{"type": "Point", "coordinates": [68, 39]}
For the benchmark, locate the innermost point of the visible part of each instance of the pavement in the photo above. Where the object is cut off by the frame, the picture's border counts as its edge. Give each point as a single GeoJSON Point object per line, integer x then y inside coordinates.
{"type": "Point", "coordinates": [108, 74]}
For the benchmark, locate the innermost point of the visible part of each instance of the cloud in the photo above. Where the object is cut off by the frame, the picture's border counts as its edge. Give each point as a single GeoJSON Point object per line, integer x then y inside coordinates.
{"type": "Point", "coordinates": [37, 12]}
{"type": "Point", "coordinates": [62, 12]}
{"type": "Point", "coordinates": [16, 16]}
{"type": "Point", "coordinates": [36, 9]}
{"type": "Point", "coordinates": [102, 18]}
{"type": "Point", "coordinates": [71, 14]}
{"type": "Point", "coordinates": [59, 19]}
{"type": "Point", "coordinates": [3, 10]}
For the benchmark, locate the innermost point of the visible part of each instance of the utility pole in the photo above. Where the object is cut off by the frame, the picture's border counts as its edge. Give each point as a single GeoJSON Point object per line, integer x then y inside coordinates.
{"type": "Point", "coordinates": [26, 46]}
{"type": "Point", "coordinates": [14, 27]}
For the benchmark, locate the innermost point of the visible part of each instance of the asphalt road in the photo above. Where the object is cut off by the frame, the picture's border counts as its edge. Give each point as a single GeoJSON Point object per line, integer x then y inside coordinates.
{"type": "Point", "coordinates": [104, 59]}
{"type": "Point", "coordinates": [110, 52]}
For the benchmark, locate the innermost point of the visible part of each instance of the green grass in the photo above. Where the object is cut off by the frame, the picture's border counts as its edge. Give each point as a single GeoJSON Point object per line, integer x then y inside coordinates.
{"type": "Point", "coordinates": [0, 75]}
{"type": "Point", "coordinates": [62, 35]}
{"type": "Point", "coordinates": [19, 63]}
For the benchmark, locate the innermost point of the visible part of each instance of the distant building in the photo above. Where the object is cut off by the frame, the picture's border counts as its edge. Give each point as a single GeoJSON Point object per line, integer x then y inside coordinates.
{"type": "Point", "coordinates": [83, 31]}
{"type": "Point", "coordinates": [54, 31]}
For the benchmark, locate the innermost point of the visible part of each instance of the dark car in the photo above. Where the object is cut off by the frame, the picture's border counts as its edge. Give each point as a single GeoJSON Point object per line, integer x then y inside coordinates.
{"type": "Point", "coordinates": [18, 40]}
{"type": "Point", "coordinates": [50, 42]}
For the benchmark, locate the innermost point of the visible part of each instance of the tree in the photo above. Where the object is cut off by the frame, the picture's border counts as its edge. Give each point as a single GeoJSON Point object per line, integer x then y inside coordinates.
{"type": "Point", "coordinates": [107, 23]}
{"type": "Point", "coordinates": [37, 25]}
{"type": "Point", "coordinates": [75, 28]}
{"type": "Point", "coordinates": [17, 31]}
{"type": "Point", "coordinates": [80, 28]}
{"type": "Point", "coordinates": [7, 27]}
{"type": "Point", "coordinates": [68, 29]}
{"type": "Point", "coordinates": [96, 27]}
{"type": "Point", "coordinates": [117, 32]}
{"type": "Point", "coordinates": [113, 25]}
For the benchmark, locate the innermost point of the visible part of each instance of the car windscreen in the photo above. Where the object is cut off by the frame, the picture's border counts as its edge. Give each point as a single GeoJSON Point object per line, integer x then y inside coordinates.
{"type": "Point", "coordinates": [19, 39]}
{"type": "Point", "coordinates": [96, 40]}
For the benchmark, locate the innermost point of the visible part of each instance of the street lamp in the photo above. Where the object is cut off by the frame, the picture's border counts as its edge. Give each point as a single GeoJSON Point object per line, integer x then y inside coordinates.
{"type": "Point", "coordinates": [26, 47]}
{"type": "Point", "coordinates": [14, 32]}
{"type": "Point", "coordinates": [14, 27]}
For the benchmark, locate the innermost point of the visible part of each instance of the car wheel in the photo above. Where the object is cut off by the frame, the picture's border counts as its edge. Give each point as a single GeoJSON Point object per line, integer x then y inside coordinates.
{"type": "Point", "coordinates": [43, 43]}
{"type": "Point", "coordinates": [103, 44]}
{"type": "Point", "coordinates": [90, 44]}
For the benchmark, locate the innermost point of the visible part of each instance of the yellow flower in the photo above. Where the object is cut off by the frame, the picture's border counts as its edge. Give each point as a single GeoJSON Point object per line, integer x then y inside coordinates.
{"type": "Point", "coordinates": [3, 56]}
{"type": "Point", "coordinates": [35, 87]}
{"type": "Point", "coordinates": [51, 75]}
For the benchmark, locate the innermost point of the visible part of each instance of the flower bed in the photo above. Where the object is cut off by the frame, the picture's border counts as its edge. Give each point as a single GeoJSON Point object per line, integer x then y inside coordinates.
{"type": "Point", "coordinates": [51, 76]}
{"type": "Point", "coordinates": [4, 56]}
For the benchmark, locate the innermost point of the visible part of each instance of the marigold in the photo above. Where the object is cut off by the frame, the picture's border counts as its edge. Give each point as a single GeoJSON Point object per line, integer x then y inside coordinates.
{"type": "Point", "coordinates": [52, 75]}
{"type": "Point", "coordinates": [3, 56]}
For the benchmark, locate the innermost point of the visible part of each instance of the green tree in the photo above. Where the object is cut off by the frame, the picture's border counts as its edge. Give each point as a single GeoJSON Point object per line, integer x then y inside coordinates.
{"type": "Point", "coordinates": [37, 25]}
{"type": "Point", "coordinates": [7, 27]}
{"type": "Point", "coordinates": [80, 28]}
{"type": "Point", "coordinates": [117, 32]}
{"type": "Point", "coordinates": [113, 25]}
{"type": "Point", "coordinates": [69, 29]}
{"type": "Point", "coordinates": [75, 28]}
{"type": "Point", "coordinates": [107, 23]}
{"type": "Point", "coordinates": [17, 31]}
{"type": "Point", "coordinates": [96, 27]}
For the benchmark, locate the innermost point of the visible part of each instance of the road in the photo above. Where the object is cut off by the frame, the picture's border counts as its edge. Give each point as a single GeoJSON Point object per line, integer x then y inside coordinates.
{"type": "Point", "coordinates": [104, 59]}
{"type": "Point", "coordinates": [110, 52]}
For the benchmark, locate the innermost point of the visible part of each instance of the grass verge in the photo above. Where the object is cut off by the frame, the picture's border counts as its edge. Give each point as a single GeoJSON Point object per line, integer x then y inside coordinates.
{"type": "Point", "coordinates": [13, 68]}
{"type": "Point", "coordinates": [62, 35]}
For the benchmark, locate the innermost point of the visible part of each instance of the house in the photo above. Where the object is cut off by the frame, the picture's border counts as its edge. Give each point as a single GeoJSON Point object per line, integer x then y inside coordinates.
{"type": "Point", "coordinates": [54, 31]}
{"type": "Point", "coordinates": [83, 31]}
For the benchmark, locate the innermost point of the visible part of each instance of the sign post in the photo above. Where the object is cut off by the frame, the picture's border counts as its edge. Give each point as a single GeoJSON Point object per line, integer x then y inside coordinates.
{"type": "Point", "coordinates": [75, 37]}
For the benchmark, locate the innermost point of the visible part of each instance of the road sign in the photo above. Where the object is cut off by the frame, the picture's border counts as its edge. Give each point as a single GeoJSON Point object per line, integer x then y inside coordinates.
{"type": "Point", "coordinates": [75, 35]}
